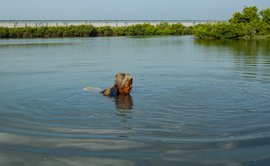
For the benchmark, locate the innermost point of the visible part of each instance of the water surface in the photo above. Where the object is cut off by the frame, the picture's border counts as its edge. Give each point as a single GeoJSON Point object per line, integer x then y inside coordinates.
{"type": "Point", "coordinates": [193, 102]}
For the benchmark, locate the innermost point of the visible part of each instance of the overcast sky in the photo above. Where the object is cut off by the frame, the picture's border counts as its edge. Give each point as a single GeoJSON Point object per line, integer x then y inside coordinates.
{"type": "Point", "coordinates": [124, 9]}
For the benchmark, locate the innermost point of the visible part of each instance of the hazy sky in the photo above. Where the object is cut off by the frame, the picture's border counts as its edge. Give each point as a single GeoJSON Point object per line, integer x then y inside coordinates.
{"type": "Point", "coordinates": [124, 9]}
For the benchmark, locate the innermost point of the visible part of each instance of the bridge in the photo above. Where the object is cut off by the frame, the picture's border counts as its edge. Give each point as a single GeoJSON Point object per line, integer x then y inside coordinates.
{"type": "Point", "coordinates": [97, 23]}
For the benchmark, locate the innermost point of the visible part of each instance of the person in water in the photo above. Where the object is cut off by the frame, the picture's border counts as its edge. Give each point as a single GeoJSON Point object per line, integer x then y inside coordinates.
{"type": "Point", "coordinates": [122, 85]}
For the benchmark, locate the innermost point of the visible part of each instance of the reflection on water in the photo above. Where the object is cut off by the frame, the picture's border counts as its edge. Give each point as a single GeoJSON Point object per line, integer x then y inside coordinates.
{"type": "Point", "coordinates": [247, 48]}
{"type": "Point", "coordinates": [123, 102]}
{"type": "Point", "coordinates": [193, 102]}
{"type": "Point", "coordinates": [245, 52]}
{"type": "Point", "coordinates": [249, 56]}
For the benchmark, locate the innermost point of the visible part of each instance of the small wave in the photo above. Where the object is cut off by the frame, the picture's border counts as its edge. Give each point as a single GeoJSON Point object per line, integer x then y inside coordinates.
{"type": "Point", "coordinates": [90, 88]}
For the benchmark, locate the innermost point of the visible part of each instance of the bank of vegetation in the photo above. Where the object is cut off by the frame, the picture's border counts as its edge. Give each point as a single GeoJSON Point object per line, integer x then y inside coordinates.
{"type": "Point", "coordinates": [91, 31]}
{"type": "Point", "coordinates": [250, 23]}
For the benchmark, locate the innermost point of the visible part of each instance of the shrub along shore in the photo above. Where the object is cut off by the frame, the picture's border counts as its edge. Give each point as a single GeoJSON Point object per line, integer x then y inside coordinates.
{"type": "Point", "coordinates": [91, 31]}
{"type": "Point", "coordinates": [249, 24]}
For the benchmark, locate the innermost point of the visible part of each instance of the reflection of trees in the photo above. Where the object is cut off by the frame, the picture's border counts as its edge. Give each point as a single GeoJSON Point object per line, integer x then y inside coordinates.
{"type": "Point", "coordinates": [248, 51]}
{"type": "Point", "coordinates": [251, 57]}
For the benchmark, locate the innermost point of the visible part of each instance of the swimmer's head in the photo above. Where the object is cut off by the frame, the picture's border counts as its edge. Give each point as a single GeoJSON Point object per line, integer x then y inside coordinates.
{"type": "Point", "coordinates": [123, 82]}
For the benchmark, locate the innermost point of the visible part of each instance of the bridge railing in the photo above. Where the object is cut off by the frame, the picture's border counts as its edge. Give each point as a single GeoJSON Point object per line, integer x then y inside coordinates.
{"type": "Point", "coordinates": [113, 23]}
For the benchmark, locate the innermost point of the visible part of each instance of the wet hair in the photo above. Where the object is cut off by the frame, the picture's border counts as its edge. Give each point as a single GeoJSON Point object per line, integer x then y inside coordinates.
{"type": "Point", "coordinates": [123, 82]}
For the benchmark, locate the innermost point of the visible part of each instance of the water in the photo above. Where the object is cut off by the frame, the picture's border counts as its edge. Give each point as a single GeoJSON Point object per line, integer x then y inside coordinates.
{"type": "Point", "coordinates": [193, 102]}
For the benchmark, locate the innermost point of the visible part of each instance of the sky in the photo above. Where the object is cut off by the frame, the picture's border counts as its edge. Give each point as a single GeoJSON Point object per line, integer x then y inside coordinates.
{"type": "Point", "coordinates": [125, 9]}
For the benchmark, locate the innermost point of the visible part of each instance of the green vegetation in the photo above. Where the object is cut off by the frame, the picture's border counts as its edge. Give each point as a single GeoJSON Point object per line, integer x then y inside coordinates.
{"type": "Point", "coordinates": [91, 31]}
{"type": "Point", "coordinates": [46, 32]}
{"type": "Point", "coordinates": [151, 30]}
{"type": "Point", "coordinates": [249, 24]}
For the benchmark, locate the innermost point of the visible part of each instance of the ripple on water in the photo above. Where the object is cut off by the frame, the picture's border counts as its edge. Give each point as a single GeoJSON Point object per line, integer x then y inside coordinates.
{"type": "Point", "coordinates": [191, 105]}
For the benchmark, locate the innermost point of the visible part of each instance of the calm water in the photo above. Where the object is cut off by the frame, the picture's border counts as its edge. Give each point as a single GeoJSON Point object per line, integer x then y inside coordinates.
{"type": "Point", "coordinates": [193, 102]}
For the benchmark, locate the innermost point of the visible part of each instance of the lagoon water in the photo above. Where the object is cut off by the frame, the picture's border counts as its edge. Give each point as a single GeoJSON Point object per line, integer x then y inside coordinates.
{"type": "Point", "coordinates": [193, 102]}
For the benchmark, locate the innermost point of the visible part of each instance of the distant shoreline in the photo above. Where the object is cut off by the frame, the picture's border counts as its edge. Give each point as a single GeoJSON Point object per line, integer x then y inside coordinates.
{"type": "Point", "coordinates": [88, 30]}
{"type": "Point", "coordinates": [97, 23]}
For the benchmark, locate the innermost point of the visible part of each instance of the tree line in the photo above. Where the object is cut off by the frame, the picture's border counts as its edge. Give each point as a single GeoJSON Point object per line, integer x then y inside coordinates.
{"type": "Point", "coordinates": [91, 31]}
{"type": "Point", "coordinates": [250, 23]}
